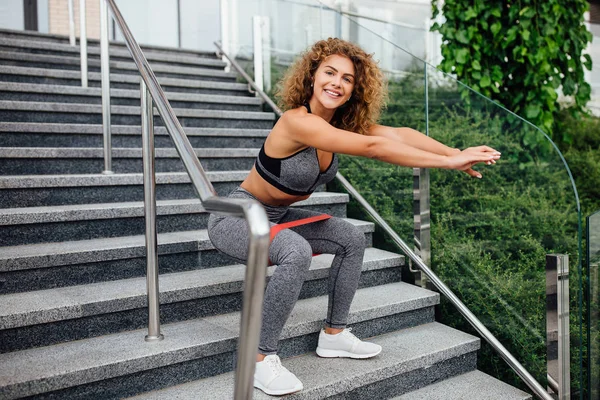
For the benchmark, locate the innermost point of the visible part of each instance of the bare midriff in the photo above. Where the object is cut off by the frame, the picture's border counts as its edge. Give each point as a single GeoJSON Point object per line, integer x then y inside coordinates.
{"type": "Point", "coordinates": [267, 193]}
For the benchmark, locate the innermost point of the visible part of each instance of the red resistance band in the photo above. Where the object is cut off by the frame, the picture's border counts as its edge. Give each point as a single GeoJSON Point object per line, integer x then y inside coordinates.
{"type": "Point", "coordinates": [275, 229]}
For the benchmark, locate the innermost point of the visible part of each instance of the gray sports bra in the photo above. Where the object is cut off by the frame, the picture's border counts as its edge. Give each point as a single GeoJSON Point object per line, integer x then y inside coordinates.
{"type": "Point", "coordinates": [298, 174]}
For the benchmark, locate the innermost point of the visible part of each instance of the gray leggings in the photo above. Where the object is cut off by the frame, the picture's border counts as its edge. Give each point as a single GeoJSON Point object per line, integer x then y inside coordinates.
{"type": "Point", "coordinates": [291, 250]}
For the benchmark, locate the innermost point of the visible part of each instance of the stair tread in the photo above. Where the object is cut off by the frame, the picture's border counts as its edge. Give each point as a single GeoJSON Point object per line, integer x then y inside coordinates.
{"type": "Point", "coordinates": [472, 385]}
{"type": "Point", "coordinates": [114, 52]}
{"type": "Point", "coordinates": [92, 42]}
{"type": "Point", "coordinates": [120, 78]}
{"type": "Point", "coordinates": [44, 255]}
{"type": "Point", "coordinates": [199, 70]}
{"type": "Point", "coordinates": [51, 305]}
{"type": "Point", "coordinates": [118, 152]}
{"type": "Point", "coordinates": [93, 129]}
{"type": "Point", "coordinates": [83, 180]}
{"type": "Point", "coordinates": [43, 127]}
{"type": "Point", "coordinates": [88, 360]}
{"type": "Point", "coordinates": [123, 93]}
{"type": "Point", "coordinates": [75, 212]}
{"type": "Point", "coordinates": [31, 106]}
{"type": "Point", "coordinates": [403, 351]}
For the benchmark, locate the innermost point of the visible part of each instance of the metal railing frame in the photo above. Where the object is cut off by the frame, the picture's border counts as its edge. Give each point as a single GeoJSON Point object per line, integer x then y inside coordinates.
{"type": "Point", "coordinates": [432, 277]}
{"type": "Point", "coordinates": [252, 211]}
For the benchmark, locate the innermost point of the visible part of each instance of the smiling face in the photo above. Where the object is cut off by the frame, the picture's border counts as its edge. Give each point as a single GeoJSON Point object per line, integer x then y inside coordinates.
{"type": "Point", "coordinates": [333, 83]}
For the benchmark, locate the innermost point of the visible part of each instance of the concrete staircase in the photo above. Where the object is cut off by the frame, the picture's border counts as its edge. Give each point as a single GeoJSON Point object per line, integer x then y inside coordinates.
{"type": "Point", "coordinates": [72, 262]}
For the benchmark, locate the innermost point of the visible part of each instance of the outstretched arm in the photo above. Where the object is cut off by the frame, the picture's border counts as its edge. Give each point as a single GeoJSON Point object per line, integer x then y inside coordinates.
{"type": "Point", "coordinates": [311, 130]}
{"type": "Point", "coordinates": [412, 138]}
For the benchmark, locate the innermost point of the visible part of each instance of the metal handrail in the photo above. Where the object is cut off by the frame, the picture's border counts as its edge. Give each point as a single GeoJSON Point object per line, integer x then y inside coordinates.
{"type": "Point", "coordinates": [251, 210]}
{"type": "Point", "coordinates": [462, 308]}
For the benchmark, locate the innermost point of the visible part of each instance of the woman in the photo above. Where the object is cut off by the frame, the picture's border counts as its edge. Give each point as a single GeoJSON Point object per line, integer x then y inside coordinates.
{"type": "Point", "coordinates": [333, 96]}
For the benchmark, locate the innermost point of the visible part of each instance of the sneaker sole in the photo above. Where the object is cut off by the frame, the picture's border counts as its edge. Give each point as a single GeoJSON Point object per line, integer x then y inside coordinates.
{"type": "Point", "coordinates": [277, 392]}
{"type": "Point", "coordinates": [326, 353]}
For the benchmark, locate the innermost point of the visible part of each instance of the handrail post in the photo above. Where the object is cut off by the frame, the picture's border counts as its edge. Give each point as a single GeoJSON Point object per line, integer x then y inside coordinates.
{"type": "Point", "coordinates": [557, 325]}
{"type": "Point", "coordinates": [257, 22]}
{"type": "Point", "coordinates": [105, 77]}
{"type": "Point", "coordinates": [254, 289]}
{"type": "Point", "coordinates": [150, 214]}
{"type": "Point", "coordinates": [83, 44]}
{"type": "Point", "coordinates": [71, 23]}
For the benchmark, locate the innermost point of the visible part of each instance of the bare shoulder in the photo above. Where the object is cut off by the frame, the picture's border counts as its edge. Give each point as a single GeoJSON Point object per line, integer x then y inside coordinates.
{"type": "Point", "coordinates": [291, 121]}
{"type": "Point", "coordinates": [294, 116]}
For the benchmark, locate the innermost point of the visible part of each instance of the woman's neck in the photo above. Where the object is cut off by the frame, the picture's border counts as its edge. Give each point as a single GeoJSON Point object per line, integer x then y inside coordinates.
{"type": "Point", "coordinates": [318, 109]}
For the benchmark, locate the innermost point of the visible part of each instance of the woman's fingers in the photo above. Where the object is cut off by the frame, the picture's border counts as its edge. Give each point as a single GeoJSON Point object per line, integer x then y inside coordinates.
{"type": "Point", "coordinates": [486, 149]}
{"type": "Point", "coordinates": [473, 173]}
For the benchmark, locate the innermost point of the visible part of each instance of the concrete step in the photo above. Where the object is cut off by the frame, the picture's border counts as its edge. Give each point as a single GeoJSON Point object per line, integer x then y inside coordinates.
{"type": "Point", "coordinates": [472, 385]}
{"type": "Point", "coordinates": [50, 265]}
{"type": "Point", "coordinates": [117, 53]}
{"type": "Point", "coordinates": [10, 91]}
{"type": "Point", "coordinates": [62, 160]}
{"type": "Point", "coordinates": [49, 190]}
{"type": "Point", "coordinates": [118, 81]}
{"type": "Point", "coordinates": [65, 113]}
{"type": "Point", "coordinates": [24, 134]}
{"type": "Point", "coordinates": [411, 358]}
{"type": "Point", "coordinates": [21, 59]}
{"type": "Point", "coordinates": [20, 226]}
{"type": "Point", "coordinates": [93, 43]}
{"type": "Point", "coordinates": [119, 365]}
{"type": "Point", "coordinates": [46, 317]}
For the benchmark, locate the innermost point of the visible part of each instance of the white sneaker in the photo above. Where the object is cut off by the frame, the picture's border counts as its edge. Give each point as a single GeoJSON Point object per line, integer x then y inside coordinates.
{"type": "Point", "coordinates": [345, 344]}
{"type": "Point", "coordinates": [273, 378]}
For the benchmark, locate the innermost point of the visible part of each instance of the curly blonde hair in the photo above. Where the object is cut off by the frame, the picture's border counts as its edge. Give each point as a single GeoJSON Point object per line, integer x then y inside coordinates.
{"type": "Point", "coordinates": [370, 88]}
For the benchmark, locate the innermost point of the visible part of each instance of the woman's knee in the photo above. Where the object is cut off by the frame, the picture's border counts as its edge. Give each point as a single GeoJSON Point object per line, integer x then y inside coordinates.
{"type": "Point", "coordinates": [352, 238]}
{"type": "Point", "coordinates": [288, 248]}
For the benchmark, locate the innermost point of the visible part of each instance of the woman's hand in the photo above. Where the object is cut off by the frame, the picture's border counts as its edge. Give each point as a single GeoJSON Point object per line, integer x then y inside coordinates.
{"type": "Point", "coordinates": [466, 159]}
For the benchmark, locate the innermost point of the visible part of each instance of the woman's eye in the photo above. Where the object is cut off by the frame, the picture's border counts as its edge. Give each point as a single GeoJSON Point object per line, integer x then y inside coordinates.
{"type": "Point", "coordinates": [329, 72]}
{"type": "Point", "coordinates": [348, 80]}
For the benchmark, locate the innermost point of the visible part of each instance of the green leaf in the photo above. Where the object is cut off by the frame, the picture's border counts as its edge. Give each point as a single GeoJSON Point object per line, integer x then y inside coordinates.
{"type": "Point", "coordinates": [525, 35]}
{"type": "Point", "coordinates": [583, 93]}
{"type": "Point", "coordinates": [496, 12]}
{"type": "Point", "coordinates": [588, 62]}
{"type": "Point", "coordinates": [496, 26]}
{"type": "Point", "coordinates": [485, 81]}
{"type": "Point", "coordinates": [551, 92]}
{"type": "Point", "coordinates": [471, 13]}
{"type": "Point", "coordinates": [568, 86]}
{"type": "Point", "coordinates": [462, 37]}
{"type": "Point", "coordinates": [476, 75]}
{"type": "Point", "coordinates": [461, 55]}
{"type": "Point", "coordinates": [476, 66]}
{"type": "Point", "coordinates": [532, 111]}
{"type": "Point", "coordinates": [511, 35]}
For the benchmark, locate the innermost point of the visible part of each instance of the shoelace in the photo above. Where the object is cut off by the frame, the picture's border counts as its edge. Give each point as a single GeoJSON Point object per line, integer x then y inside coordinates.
{"type": "Point", "coordinates": [348, 333]}
{"type": "Point", "coordinates": [275, 364]}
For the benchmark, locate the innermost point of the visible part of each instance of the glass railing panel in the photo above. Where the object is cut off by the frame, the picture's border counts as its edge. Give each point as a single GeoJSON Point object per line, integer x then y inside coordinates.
{"type": "Point", "coordinates": [490, 236]}
{"type": "Point", "coordinates": [593, 266]}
